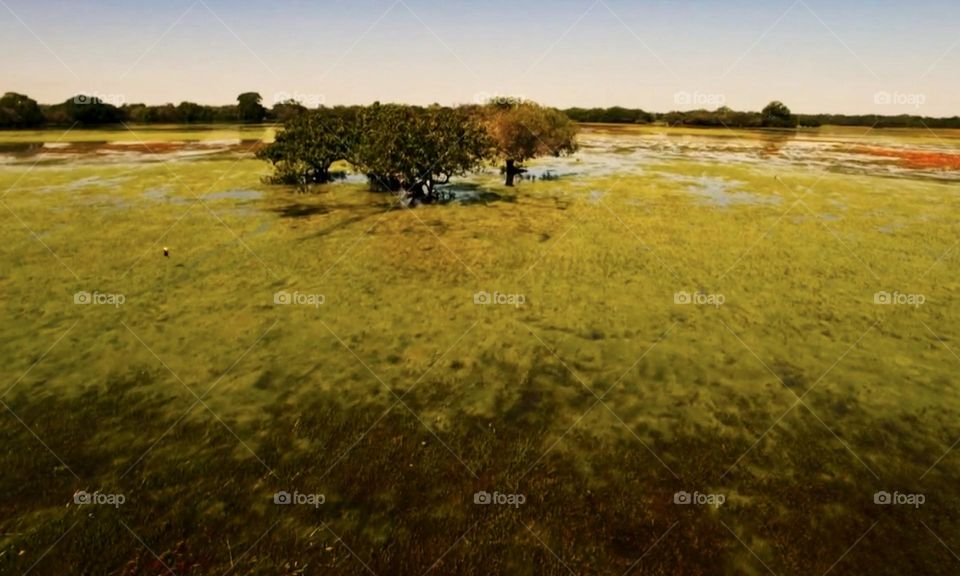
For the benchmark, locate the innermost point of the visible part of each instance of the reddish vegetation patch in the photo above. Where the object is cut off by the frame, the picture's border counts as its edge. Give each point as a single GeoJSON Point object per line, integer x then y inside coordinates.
{"type": "Point", "coordinates": [915, 159]}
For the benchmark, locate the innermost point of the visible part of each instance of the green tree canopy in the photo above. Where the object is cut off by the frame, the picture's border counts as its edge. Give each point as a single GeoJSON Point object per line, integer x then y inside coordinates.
{"type": "Point", "coordinates": [249, 107]}
{"type": "Point", "coordinates": [19, 111]}
{"type": "Point", "coordinates": [310, 143]}
{"type": "Point", "coordinates": [411, 149]}
{"type": "Point", "coordinates": [777, 115]}
{"type": "Point", "coordinates": [525, 130]}
{"type": "Point", "coordinates": [286, 110]}
{"type": "Point", "coordinates": [190, 113]}
{"type": "Point", "coordinates": [90, 111]}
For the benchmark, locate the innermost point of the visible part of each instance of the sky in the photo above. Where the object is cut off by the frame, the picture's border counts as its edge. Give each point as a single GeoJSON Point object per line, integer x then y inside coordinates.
{"type": "Point", "coordinates": [836, 56]}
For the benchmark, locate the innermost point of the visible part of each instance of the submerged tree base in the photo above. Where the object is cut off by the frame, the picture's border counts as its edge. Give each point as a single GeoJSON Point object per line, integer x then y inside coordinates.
{"type": "Point", "coordinates": [426, 192]}
{"type": "Point", "coordinates": [512, 170]}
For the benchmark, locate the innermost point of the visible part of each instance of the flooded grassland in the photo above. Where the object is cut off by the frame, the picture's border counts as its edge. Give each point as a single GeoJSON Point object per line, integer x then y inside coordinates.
{"type": "Point", "coordinates": [764, 325]}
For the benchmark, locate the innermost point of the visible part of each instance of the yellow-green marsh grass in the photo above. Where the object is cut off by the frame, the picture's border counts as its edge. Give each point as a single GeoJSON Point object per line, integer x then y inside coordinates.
{"type": "Point", "coordinates": [670, 313]}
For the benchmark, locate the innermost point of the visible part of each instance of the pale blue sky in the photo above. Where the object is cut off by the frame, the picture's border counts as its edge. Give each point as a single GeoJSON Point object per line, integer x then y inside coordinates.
{"type": "Point", "coordinates": [815, 55]}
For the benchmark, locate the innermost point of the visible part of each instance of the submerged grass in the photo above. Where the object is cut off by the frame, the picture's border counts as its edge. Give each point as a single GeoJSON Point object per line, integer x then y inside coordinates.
{"type": "Point", "coordinates": [598, 397]}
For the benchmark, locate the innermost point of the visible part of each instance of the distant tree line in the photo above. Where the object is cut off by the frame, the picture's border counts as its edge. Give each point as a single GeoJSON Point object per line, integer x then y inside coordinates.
{"type": "Point", "coordinates": [768, 118]}
{"type": "Point", "coordinates": [901, 121]}
{"type": "Point", "coordinates": [614, 115]}
{"type": "Point", "coordinates": [21, 111]}
{"type": "Point", "coordinates": [411, 149]}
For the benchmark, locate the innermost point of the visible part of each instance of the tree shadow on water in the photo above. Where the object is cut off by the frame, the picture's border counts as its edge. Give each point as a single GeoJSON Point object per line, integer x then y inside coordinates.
{"type": "Point", "coordinates": [468, 193]}
{"type": "Point", "coordinates": [460, 193]}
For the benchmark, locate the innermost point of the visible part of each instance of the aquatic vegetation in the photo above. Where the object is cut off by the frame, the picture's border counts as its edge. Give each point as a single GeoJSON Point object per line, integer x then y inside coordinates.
{"type": "Point", "coordinates": [918, 159]}
{"type": "Point", "coordinates": [639, 325]}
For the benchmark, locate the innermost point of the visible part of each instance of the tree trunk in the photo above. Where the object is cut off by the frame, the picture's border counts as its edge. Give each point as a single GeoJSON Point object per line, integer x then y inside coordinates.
{"type": "Point", "coordinates": [419, 193]}
{"type": "Point", "coordinates": [513, 171]}
{"type": "Point", "coordinates": [429, 195]}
